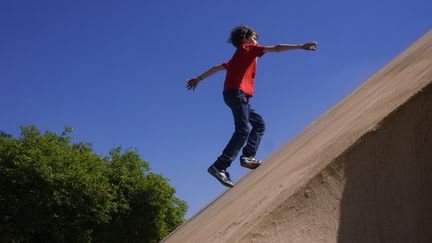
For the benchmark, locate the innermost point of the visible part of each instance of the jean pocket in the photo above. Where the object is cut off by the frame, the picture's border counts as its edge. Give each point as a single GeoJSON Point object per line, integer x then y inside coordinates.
{"type": "Point", "coordinates": [235, 98]}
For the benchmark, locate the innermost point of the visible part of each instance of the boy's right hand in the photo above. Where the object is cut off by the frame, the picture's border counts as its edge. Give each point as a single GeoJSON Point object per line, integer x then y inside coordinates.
{"type": "Point", "coordinates": [192, 83]}
{"type": "Point", "coordinates": [310, 46]}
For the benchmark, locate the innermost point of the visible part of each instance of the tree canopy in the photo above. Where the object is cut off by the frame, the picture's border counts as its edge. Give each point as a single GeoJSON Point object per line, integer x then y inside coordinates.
{"type": "Point", "coordinates": [54, 190]}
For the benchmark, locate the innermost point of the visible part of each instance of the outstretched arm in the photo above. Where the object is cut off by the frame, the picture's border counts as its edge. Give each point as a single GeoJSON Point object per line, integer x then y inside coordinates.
{"type": "Point", "coordinates": [193, 82]}
{"type": "Point", "coordinates": [310, 46]}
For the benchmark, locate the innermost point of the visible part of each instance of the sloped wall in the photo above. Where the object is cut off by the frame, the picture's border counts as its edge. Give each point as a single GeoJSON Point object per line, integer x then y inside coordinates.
{"type": "Point", "coordinates": [360, 173]}
{"type": "Point", "coordinates": [380, 190]}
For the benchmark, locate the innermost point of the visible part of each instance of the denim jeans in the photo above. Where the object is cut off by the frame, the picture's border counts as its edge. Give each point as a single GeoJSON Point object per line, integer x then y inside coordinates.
{"type": "Point", "coordinates": [243, 115]}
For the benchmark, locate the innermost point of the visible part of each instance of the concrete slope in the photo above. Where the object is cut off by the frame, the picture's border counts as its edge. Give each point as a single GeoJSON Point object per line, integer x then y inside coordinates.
{"type": "Point", "coordinates": [361, 173]}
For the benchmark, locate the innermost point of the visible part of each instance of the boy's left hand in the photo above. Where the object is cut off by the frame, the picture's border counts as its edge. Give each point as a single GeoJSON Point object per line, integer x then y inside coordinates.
{"type": "Point", "coordinates": [310, 46]}
{"type": "Point", "coordinates": [192, 83]}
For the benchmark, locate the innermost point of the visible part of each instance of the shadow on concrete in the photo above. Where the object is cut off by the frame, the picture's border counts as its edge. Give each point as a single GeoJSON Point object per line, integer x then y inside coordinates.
{"type": "Point", "coordinates": [388, 175]}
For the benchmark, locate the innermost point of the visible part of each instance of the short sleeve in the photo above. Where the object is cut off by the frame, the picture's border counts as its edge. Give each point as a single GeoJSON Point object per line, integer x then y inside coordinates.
{"type": "Point", "coordinates": [259, 50]}
{"type": "Point", "coordinates": [255, 50]}
{"type": "Point", "coordinates": [225, 65]}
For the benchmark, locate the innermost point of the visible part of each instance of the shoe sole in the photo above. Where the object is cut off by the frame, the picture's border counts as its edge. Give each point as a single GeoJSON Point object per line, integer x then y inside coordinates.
{"type": "Point", "coordinates": [219, 179]}
{"type": "Point", "coordinates": [249, 166]}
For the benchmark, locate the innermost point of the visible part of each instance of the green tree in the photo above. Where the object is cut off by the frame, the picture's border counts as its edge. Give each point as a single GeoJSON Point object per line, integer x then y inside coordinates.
{"type": "Point", "coordinates": [3, 134]}
{"type": "Point", "coordinates": [53, 190]}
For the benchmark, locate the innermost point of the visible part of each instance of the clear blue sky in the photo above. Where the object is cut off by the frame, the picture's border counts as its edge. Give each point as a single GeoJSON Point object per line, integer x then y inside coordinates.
{"type": "Point", "coordinates": [115, 72]}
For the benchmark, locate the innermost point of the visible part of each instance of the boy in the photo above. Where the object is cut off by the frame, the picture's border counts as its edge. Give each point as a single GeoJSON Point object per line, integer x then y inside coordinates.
{"type": "Point", "coordinates": [238, 89]}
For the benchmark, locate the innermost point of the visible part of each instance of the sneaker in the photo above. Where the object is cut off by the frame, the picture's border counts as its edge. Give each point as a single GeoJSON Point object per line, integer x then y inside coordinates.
{"type": "Point", "coordinates": [222, 175]}
{"type": "Point", "coordinates": [249, 162]}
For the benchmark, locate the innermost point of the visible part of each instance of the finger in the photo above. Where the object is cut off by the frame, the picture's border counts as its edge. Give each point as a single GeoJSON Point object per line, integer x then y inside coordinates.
{"type": "Point", "coordinates": [192, 86]}
{"type": "Point", "coordinates": [311, 43]}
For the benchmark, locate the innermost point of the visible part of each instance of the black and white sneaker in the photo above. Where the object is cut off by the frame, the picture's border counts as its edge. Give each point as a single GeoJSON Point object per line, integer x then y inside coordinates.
{"type": "Point", "coordinates": [250, 162]}
{"type": "Point", "coordinates": [222, 175]}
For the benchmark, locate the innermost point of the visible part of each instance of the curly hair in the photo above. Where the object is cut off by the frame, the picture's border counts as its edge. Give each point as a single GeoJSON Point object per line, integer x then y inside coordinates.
{"type": "Point", "coordinates": [239, 33]}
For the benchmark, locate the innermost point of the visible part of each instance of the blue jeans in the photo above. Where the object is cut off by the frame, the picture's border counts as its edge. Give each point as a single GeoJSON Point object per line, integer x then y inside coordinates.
{"type": "Point", "coordinates": [243, 114]}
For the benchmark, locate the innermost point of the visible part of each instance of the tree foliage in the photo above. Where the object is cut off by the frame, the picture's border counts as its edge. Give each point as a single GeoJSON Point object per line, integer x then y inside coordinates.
{"type": "Point", "coordinates": [3, 134]}
{"type": "Point", "coordinates": [53, 190]}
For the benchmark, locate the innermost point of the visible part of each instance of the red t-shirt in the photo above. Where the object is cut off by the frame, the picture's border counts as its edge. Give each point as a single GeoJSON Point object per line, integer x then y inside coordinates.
{"type": "Point", "coordinates": [241, 68]}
